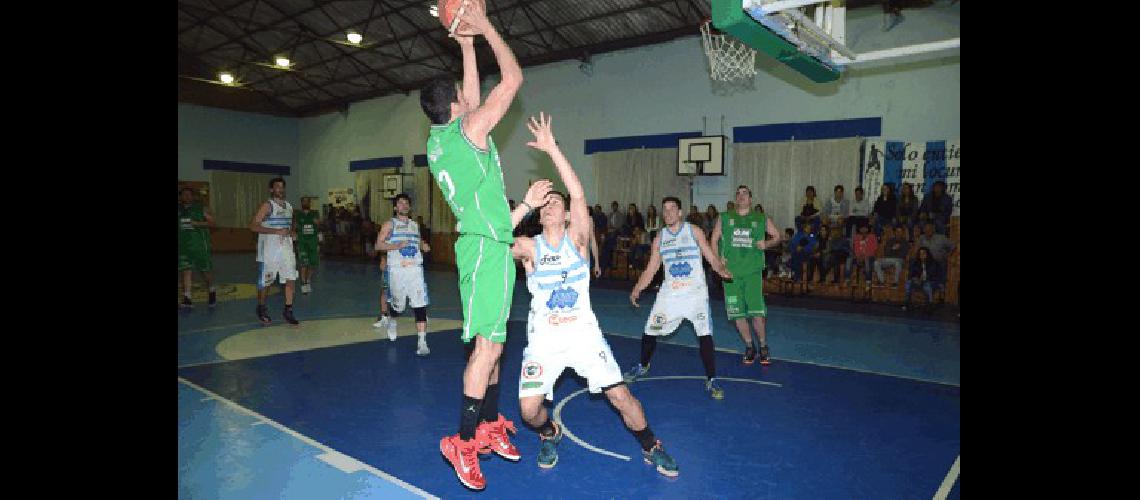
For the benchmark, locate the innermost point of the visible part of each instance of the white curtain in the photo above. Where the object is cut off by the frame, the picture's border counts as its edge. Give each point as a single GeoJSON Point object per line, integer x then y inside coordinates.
{"type": "Point", "coordinates": [778, 173]}
{"type": "Point", "coordinates": [371, 182]}
{"type": "Point", "coordinates": [236, 196]}
{"type": "Point", "coordinates": [641, 176]}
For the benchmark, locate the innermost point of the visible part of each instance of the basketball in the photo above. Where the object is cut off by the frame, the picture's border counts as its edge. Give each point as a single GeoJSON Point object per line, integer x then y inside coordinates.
{"type": "Point", "coordinates": [450, 9]}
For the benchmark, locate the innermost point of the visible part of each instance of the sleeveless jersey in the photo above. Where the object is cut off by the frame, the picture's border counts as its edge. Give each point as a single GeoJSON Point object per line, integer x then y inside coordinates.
{"type": "Point", "coordinates": [271, 247]}
{"type": "Point", "coordinates": [410, 255]}
{"type": "Point", "coordinates": [560, 292]}
{"type": "Point", "coordinates": [307, 226]}
{"type": "Point", "coordinates": [681, 258]}
{"type": "Point", "coordinates": [188, 235]}
{"type": "Point", "coordinates": [738, 237]}
{"type": "Point", "coordinates": [471, 180]}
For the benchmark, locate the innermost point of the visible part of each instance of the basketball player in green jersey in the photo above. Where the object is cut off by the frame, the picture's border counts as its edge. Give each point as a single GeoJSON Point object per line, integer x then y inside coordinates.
{"type": "Point", "coordinates": [738, 238]}
{"type": "Point", "coordinates": [465, 163]}
{"type": "Point", "coordinates": [194, 245]}
{"type": "Point", "coordinates": [308, 248]}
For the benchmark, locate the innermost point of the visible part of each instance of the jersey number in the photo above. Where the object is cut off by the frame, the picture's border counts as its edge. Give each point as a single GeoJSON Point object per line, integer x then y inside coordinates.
{"type": "Point", "coordinates": [445, 180]}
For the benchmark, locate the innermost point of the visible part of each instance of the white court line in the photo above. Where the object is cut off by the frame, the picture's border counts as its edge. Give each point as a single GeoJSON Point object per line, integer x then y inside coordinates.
{"type": "Point", "coordinates": [948, 482]}
{"type": "Point", "coordinates": [619, 456]}
{"type": "Point", "coordinates": [376, 472]}
{"type": "Point", "coordinates": [837, 367]}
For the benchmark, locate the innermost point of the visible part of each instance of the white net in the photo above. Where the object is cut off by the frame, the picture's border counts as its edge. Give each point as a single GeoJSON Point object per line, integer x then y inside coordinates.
{"type": "Point", "coordinates": [729, 58]}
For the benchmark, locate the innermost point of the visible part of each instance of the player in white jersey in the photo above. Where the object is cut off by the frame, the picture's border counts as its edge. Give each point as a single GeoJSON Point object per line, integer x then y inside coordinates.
{"type": "Point", "coordinates": [400, 237]}
{"type": "Point", "coordinates": [684, 294]}
{"type": "Point", "coordinates": [562, 330]}
{"type": "Point", "coordinates": [273, 224]}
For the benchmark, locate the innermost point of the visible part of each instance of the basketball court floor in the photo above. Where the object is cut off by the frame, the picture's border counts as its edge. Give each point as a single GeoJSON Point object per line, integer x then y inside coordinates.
{"type": "Point", "coordinates": [853, 405]}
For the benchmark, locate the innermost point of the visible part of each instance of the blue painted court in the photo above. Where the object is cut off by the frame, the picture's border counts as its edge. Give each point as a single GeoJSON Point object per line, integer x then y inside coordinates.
{"type": "Point", "coordinates": [853, 405]}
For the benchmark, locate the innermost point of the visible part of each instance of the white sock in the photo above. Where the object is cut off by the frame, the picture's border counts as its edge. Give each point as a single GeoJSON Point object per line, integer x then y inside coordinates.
{"type": "Point", "coordinates": [186, 294]}
{"type": "Point", "coordinates": [213, 289]}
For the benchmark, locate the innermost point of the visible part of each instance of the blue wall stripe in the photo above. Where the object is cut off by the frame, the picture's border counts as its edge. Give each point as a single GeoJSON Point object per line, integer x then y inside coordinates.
{"type": "Point", "coordinates": [374, 163]}
{"type": "Point", "coordinates": [420, 160]}
{"type": "Point", "coordinates": [934, 168]}
{"type": "Point", "coordinates": [238, 166]}
{"type": "Point", "coordinates": [655, 141]}
{"type": "Point", "coordinates": [805, 131]}
{"type": "Point", "coordinates": [892, 165]}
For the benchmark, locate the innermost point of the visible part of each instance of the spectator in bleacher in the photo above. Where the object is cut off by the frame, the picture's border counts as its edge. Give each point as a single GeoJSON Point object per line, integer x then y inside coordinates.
{"type": "Point", "coordinates": [643, 237]}
{"type": "Point", "coordinates": [775, 259]}
{"type": "Point", "coordinates": [927, 273]}
{"type": "Point", "coordinates": [908, 207]}
{"type": "Point", "coordinates": [818, 256]}
{"type": "Point", "coordinates": [838, 249]}
{"type": "Point", "coordinates": [614, 223]}
{"type": "Point", "coordinates": [895, 250]}
{"type": "Point", "coordinates": [836, 210]}
{"type": "Point", "coordinates": [633, 220]}
{"type": "Point", "coordinates": [938, 244]}
{"type": "Point", "coordinates": [600, 221]}
{"type": "Point", "coordinates": [783, 254]}
{"type": "Point", "coordinates": [512, 204]}
{"type": "Point", "coordinates": [695, 218]}
{"type": "Point", "coordinates": [802, 246]}
{"type": "Point", "coordinates": [864, 246]}
{"type": "Point", "coordinates": [730, 206]}
{"type": "Point", "coordinates": [709, 219]}
{"type": "Point", "coordinates": [884, 213]}
{"type": "Point", "coordinates": [937, 207]}
{"type": "Point", "coordinates": [617, 218]}
{"type": "Point", "coordinates": [810, 209]}
{"type": "Point", "coordinates": [652, 222]}
{"type": "Point", "coordinates": [860, 214]}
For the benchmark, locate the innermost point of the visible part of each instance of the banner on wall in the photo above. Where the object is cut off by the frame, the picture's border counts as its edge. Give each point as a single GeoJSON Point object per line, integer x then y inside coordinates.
{"type": "Point", "coordinates": [342, 197]}
{"type": "Point", "coordinates": [919, 163]}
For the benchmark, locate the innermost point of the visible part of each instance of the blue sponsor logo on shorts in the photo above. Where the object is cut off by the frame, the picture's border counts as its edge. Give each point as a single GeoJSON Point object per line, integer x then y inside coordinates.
{"type": "Point", "coordinates": [408, 251]}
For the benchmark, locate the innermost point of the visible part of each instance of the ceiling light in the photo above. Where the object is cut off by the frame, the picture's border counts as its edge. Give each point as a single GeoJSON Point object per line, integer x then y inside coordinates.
{"type": "Point", "coordinates": [354, 38]}
{"type": "Point", "coordinates": [282, 61]}
{"type": "Point", "coordinates": [226, 77]}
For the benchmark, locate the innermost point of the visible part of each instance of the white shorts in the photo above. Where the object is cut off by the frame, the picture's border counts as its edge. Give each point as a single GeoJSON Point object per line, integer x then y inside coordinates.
{"type": "Point", "coordinates": [407, 285]}
{"type": "Point", "coordinates": [283, 269]}
{"type": "Point", "coordinates": [589, 355]}
{"type": "Point", "coordinates": [670, 310]}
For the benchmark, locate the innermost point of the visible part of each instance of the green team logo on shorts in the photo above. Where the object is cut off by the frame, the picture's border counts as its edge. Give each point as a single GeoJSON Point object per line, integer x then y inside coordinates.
{"type": "Point", "coordinates": [532, 370]}
{"type": "Point", "coordinates": [531, 385]}
{"type": "Point", "coordinates": [658, 322]}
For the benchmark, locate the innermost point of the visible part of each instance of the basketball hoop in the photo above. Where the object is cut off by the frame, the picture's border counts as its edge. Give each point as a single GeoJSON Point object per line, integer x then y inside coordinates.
{"type": "Point", "coordinates": [729, 58]}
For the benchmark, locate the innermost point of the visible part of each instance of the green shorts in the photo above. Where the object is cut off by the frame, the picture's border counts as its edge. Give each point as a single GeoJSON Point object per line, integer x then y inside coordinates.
{"type": "Point", "coordinates": [194, 259]}
{"type": "Point", "coordinates": [486, 286]}
{"type": "Point", "coordinates": [308, 253]}
{"type": "Point", "coordinates": [744, 296]}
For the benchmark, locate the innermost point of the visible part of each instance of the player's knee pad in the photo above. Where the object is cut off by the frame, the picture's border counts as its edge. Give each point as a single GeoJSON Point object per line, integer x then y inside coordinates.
{"type": "Point", "coordinates": [421, 314]}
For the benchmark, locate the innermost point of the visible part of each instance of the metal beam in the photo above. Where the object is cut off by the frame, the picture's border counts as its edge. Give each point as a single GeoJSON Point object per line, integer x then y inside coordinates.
{"type": "Point", "coordinates": [577, 50]}
{"type": "Point", "coordinates": [273, 25]}
{"type": "Point", "coordinates": [569, 53]}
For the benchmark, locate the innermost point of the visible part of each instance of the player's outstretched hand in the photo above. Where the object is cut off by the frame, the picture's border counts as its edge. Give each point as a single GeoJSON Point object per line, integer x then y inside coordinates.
{"type": "Point", "coordinates": [543, 133]}
{"type": "Point", "coordinates": [597, 272]}
{"type": "Point", "coordinates": [536, 194]}
{"type": "Point", "coordinates": [634, 295]}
